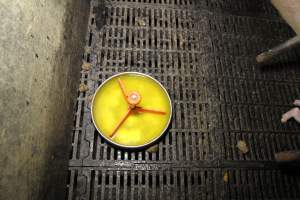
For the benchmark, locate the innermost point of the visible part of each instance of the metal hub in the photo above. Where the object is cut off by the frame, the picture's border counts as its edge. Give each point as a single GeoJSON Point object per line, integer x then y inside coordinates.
{"type": "Point", "coordinates": [134, 98]}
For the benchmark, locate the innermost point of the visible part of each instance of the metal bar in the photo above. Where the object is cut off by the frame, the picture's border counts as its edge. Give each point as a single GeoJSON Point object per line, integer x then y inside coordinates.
{"type": "Point", "coordinates": [281, 48]}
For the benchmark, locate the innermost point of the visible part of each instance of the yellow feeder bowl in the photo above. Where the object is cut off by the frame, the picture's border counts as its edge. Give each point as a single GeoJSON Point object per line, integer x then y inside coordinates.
{"type": "Point", "coordinates": [131, 110]}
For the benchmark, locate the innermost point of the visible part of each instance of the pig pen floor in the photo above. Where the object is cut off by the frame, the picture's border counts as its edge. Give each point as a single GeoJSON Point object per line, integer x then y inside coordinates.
{"type": "Point", "coordinates": [203, 52]}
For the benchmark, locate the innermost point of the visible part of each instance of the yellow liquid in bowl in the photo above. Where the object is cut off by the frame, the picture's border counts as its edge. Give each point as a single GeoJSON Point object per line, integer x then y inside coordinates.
{"type": "Point", "coordinates": [110, 106]}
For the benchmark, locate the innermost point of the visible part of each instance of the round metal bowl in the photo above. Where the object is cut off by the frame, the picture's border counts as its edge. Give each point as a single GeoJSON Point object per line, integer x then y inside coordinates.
{"type": "Point", "coordinates": [108, 139]}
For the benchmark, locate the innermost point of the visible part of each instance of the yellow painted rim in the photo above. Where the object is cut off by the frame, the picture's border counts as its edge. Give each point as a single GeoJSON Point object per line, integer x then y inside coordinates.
{"type": "Point", "coordinates": [131, 146]}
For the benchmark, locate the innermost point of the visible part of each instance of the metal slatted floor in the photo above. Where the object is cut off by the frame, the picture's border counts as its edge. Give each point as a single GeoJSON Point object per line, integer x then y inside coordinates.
{"type": "Point", "coordinates": [203, 52]}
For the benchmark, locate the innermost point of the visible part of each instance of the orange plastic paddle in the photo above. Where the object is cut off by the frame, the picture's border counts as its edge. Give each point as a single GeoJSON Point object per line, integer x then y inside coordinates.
{"type": "Point", "coordinates": [121, 122]}
{"type": "Point", "coordinates": [133, 98]}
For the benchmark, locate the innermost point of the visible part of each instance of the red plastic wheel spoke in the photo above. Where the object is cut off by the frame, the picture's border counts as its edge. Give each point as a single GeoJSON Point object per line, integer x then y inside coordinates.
{"type": "Point", "coordinates": [120, 123]}
{"type": "Point", "coordinates": [139, 109]}
{"type": "Point", "coordinates": [133, 98]}
{"type": "Point", "coordinates": [122, 86]}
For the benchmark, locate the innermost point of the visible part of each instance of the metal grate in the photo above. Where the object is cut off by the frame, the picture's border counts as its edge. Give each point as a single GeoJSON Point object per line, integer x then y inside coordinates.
{"type": "Point", "coordinates": [203, 53]}
{"type": "Point", "coordinates": [144, 184]}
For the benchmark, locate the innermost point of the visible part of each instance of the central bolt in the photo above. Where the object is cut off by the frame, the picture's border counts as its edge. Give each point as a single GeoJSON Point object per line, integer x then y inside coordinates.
{"type": "Point", "coordinates": [134, 98]}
